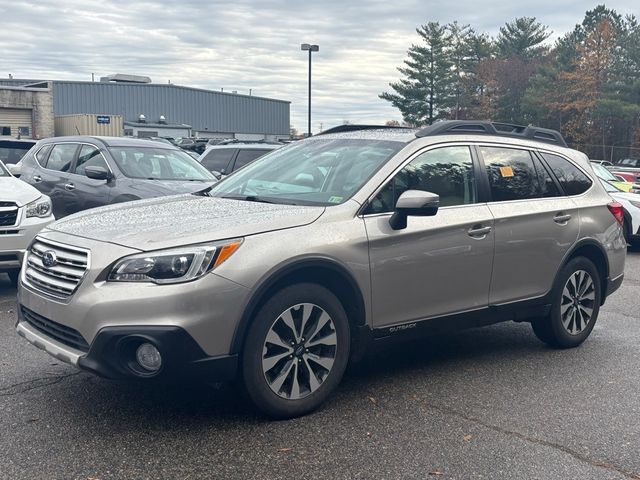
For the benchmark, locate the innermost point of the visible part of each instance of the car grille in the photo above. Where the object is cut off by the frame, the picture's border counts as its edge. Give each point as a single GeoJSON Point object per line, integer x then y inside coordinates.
{"type": "Point", "coordinates": [65, 335]}
{"type": "Point", "coordinates": [8, 214]}
{"type": "Point", "coordinates": [61, 279]}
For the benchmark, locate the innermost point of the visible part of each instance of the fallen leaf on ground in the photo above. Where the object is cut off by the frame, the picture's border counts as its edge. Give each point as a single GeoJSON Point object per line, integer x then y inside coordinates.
{"type": "Point", "coordinates": [284, 450]}
{"type": "Point", "coordinates": [436, 472]}
{"type": "Point", "coordinates": [373, 400]}
{"type": "Point", "coordinates": [34, 419]}
{"type": "Point", "coordinates": [467, 438]}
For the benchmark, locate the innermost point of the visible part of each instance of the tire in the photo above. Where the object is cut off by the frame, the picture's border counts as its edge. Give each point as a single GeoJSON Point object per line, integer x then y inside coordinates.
{"type": "Point", "coordinates": [572, 317]}
{"type": "Point", "coordinates": [626, 230]}
{"type": "Point", "coordinates": [277, 376]}
{"type": "Point", "coordinates": [14, 275]}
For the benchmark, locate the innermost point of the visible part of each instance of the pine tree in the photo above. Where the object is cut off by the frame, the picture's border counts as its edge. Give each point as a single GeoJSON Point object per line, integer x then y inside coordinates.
{"type": "Point", "coordinates": [424, 94]}
{"type": "Point", "coordinates": [522, 38]}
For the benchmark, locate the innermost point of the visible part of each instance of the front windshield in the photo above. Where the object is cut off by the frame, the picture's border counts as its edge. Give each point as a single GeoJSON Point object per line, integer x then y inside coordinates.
{"type": "Point", "coordinates": [317, 171]}
{"type": "Point", "coordinates": [158, 163]}
{"type": "Point", "coordinates": [603, 173]}
{"type": "Point", "coordinates": [3, 171]}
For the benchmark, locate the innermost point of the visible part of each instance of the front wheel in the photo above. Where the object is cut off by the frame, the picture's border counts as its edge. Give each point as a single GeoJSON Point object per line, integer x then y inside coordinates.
{"type": "Point", "coordinates": [575, 306]}
{"type": "Point", "coordinates": [296, 351]}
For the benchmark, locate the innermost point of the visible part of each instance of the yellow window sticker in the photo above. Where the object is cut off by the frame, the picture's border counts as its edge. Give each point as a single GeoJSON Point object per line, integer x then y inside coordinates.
{"type": "Point", "coordinates": [506, 171]}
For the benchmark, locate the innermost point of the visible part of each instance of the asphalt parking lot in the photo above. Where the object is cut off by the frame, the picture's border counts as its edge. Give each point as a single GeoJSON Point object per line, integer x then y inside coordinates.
{"type": "Point", "coordinates": [489, 403]}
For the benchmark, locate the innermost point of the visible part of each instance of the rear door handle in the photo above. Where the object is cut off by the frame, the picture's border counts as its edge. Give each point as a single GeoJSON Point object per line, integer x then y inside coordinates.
{"type": "Point", "coordinates": [37, 178]}
{"type": "Point", "coordinates": [562, 218]}
{"type": "Point", "coordinates": [478, 231]}
{"type": "Point", "coordinates": [69, 186]}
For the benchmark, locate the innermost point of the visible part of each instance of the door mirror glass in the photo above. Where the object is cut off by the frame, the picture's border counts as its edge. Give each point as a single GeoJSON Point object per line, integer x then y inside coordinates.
{"type": "Point", "coordinates": [414, 203]}
{"type": "Point", "coordinates": [97, 173]}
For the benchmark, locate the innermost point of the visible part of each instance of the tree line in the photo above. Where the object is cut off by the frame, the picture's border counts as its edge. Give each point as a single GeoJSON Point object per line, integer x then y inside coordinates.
{"type": "Point", "coordinates": [586, 84]}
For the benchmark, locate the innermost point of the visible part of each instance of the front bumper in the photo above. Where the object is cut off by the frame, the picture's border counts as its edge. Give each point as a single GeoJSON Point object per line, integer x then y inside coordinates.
{"type": "Point", "coordinates": [112, 352]}
{"type": "Point", "coordinates": [15, 240]}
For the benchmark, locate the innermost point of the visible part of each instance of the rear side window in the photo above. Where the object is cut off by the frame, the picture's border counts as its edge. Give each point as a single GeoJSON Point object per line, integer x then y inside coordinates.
{"type": "Point", "coordinates": [246, 156]}
{"type": "Point", "coordinates": [42, 155]}
{"type": "Point", "coordinates": [512, 174]}
{"type": "Point", "coordinates": [571, 178]}
{"type": "Point", "coordinates": [61, 157]}
{"type": "Point", "coordinates": [217, 159]}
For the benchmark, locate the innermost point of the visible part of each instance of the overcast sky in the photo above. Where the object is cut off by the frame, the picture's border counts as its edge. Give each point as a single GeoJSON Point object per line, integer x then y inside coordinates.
{"type": "Point", "coordinates": [241, 45]}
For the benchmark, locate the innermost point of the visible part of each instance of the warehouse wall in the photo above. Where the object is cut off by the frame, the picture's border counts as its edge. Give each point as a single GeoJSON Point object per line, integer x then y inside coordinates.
{"type": "Point", "coordinates": [205, 110]}
{"type": "Point", "coordinates": [38, 100]}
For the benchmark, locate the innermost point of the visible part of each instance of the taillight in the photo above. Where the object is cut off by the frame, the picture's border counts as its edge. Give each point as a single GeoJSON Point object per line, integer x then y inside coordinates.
{"type": "Point", "coordinates": [616, 210]}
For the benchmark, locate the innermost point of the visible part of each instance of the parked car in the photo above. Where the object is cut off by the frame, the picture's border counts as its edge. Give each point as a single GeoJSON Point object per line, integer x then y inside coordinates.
{"type": "Point", "coordinates": [11, 151]}
{"type": "Point", "coordinates": [86, 172]}
{"type": "Point", "coordinates": [24, 211]}
{"type": "Point", "coordinates": [290, 267]}
{"type": "Point", "coordinates": [606, 175]}
{"type": "Point", "coordinates": [221, 160]}
{"type": "Point", "coordinates": [626, 176]}
{"type": "Point", "coordinates": [631, 205]}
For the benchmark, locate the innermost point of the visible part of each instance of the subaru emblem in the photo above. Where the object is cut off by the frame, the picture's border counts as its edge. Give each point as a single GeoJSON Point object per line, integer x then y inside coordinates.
{"type": "Point", "coordinates": [49, 259]}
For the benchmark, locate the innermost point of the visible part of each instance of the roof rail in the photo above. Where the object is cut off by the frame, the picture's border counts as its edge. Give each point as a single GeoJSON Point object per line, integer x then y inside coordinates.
{"type": "Point", "coordinates": [473, 127]}
{"type": "Point", "coordinates": [353, 128]}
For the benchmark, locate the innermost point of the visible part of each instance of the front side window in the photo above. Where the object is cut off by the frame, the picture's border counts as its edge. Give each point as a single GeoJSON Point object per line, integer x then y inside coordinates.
{"type": "Point", "coordinates": [512, 174]}
{"type": "Point", "coordinates": [571, 178]}
{"type": "Point", "coordinates": [158, 164]}
{"type": "Point", "coordinates": [89, 156]}
{"type": "Point", "coordinates": [317, 171]}
{"type": "Point", "coordinates": [61, 157]}
{"type": "Point", "coordinates": [446, 171]}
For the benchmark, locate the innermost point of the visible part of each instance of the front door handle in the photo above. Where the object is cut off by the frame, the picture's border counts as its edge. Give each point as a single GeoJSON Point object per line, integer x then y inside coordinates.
{"type": "Point", "coordinates": [562, 218]}
{"type": "Point", "coordinates": [478, 231]}
{"type": "Point", "coordinates": [37, 178]}
{"type": "Point", "coordinates": [69, 187]}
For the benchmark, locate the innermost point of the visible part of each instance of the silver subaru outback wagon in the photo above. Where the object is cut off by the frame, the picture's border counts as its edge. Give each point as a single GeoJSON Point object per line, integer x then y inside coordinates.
{"type": "Point", "coordinates": [290, 267]}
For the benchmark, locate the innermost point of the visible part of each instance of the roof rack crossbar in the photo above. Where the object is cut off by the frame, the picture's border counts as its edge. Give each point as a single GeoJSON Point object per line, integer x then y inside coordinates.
{"type": "Point", "coordinates": [472, 127]}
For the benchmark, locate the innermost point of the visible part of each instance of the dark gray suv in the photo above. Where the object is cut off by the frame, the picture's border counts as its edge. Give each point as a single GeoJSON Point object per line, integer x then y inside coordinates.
{"type": "Point", "coordinates": [83, 172]}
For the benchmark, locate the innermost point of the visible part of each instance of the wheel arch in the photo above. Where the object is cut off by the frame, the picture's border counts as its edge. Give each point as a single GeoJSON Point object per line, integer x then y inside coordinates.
{"type": "Point", "coordinates": [591, 249]}
{"type": "Point", "coordinates": [324, 271]}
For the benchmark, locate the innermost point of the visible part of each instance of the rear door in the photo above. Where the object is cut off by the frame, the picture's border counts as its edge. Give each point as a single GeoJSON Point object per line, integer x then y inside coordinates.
{"type": "Point", "coordinates": [52, 179]}
{"type": "Point", "coordinates": [219, 159]}
{"type": "Point", "coordinates": [535, 223]}
{"type": "Point", "coordinates": [82, 192]}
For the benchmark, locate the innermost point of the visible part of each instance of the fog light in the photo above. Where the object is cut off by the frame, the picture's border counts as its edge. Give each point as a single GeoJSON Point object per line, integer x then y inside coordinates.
{"type": "Point", "coordinates": [149, 357]}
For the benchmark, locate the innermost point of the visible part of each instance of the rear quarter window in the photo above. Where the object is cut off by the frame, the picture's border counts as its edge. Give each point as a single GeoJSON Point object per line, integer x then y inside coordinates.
{"type": "Point", "coordinates": [572, 180]}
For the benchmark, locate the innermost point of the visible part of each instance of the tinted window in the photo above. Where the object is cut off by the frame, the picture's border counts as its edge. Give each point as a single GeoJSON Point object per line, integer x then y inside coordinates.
{"type": "Point", "coordinates": [571, 178]}
{"type": "Point", "coordinates": [512, 175]}
{"type": "Point", "coordinates": [547, 184]}
{"type": "Point", "coordinates": [61, 157]}
{"type": "Point", "coordinates": [446, 171]}
{"type": "Point", "coordinates": [246, 156]}
{"type": "Point", "coordinates": [43, 154]}
{"type": "Point", "coordinates": [89, 156]}
{"type": "Point", "coordinates": [217, 159]}
{"type": "Point", "coordinates": [12, 152]}
{"type": "Point", "coordinates": [629, 162]}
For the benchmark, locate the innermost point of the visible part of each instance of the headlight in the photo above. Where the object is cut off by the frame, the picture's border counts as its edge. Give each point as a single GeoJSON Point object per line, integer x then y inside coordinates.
{"type": "Point", "coordinates": [39, 208]}
{"type": "Point", "coordinates": [176, 265]}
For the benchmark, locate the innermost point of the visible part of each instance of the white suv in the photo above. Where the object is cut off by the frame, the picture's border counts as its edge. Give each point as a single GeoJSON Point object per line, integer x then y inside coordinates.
{"type": "Point", "coordinates": [24, 211]}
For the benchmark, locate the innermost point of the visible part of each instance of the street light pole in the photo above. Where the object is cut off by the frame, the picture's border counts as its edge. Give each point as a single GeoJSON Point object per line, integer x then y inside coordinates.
{"type": "Point", "coordinates": [309, 48]}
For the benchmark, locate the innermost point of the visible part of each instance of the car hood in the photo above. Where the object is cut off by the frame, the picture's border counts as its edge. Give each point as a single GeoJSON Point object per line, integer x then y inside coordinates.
{"type": "Point", "coordinates": [14, 190]}
{"type": "Point", "coordinates": [155, 188]}
{"type": "Point", "coordinates": [182, 220]}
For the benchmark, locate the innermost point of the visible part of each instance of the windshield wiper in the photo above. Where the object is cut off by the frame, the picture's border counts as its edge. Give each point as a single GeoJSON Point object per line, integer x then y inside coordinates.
{"type": "Point", "coordinates": [256, 198]}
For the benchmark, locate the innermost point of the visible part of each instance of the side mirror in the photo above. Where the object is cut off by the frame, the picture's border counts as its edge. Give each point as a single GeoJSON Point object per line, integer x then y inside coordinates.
{"type": "Point", "coordinates": [97, 173]}
{"type": "Point", "coordinates": [217, 174]}
{"type": "Point", "coordinates": [14, 169]}
{"type": "Point", "coordinates": [416, 203]}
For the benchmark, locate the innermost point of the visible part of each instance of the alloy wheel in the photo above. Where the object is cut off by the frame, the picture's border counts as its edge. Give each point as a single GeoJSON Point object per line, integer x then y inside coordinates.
{"type": "Point", "coordinates": [577, 303]}
{"type": "Point", "coordinates": [299, 351]}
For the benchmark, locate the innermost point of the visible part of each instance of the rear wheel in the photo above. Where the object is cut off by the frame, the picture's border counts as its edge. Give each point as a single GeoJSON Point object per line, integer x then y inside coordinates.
{"type": "Point", "coordinates": [296, 351]}
{"type": "Point", "coordinates": [575, 306]}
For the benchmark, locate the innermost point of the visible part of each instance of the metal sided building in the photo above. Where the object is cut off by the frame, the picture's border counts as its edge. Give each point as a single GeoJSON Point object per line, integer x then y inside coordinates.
{"type": "Point", "coordinates": [150, 109]}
